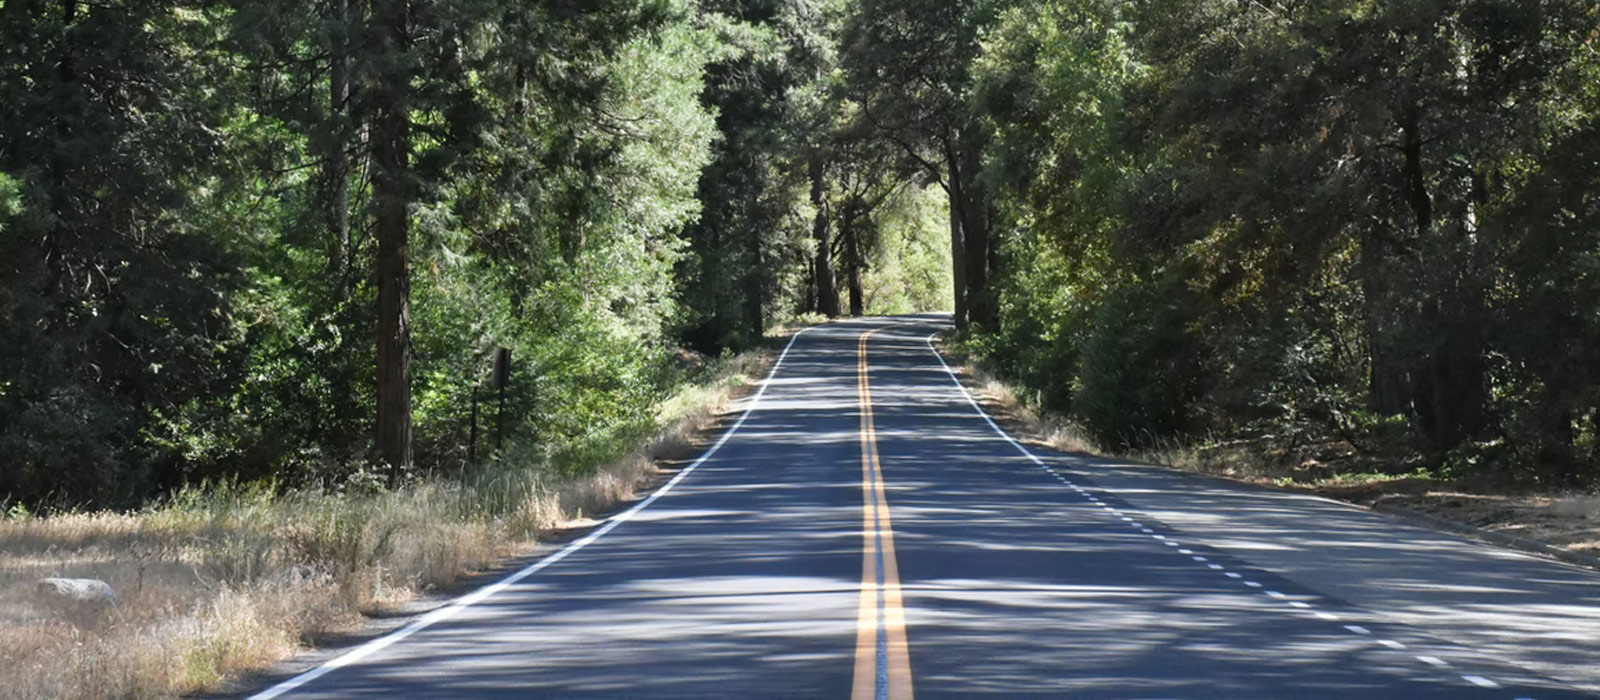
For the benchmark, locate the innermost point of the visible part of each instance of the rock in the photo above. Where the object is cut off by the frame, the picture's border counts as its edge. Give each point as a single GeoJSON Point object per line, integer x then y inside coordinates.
{"type": "Point", "coordinates": [297, 576]}
{"type": "Point", "coordinates": [689, 360]}
{"type": "Point", "coordinates": [78, 590]}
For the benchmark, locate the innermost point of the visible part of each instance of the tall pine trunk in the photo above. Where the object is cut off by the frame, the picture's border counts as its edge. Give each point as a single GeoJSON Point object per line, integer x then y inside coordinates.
{"type": "Point", "coordinates": [975, 226]}
{"type": "Point", "coordinates": [852, 256]}
{"type": "Point", "coordinates": [391, 146]}
{"type": "Point", "coordinates": [1448, 388]}
{"type": "Point", "coordinates": [755, 289]}
{"type": "Point", "coordinates": [1386, 382]}
{"type": "Point", "coordinates": [337, 163]}
{"type": "Point", "coordinates": [827, 286]}
{"type": "Point", "coordinates": [958, 244]}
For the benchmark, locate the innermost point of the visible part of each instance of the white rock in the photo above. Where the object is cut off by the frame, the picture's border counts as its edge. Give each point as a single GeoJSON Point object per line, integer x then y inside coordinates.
{"type": "Point", "coordinates": [82, 590]}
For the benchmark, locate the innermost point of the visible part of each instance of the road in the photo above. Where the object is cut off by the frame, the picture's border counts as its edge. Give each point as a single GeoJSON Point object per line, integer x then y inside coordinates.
{"type": "Point", "coordinates": [864, 530]}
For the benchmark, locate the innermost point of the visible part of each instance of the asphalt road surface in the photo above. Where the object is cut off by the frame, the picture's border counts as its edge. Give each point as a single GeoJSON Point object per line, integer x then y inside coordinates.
{"type": "Point", "coordinates": [864, 530]}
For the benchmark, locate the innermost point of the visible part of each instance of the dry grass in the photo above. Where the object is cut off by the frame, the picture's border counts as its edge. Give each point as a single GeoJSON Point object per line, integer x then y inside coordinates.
{"type": "Point", "coordinates": [1334, 470]}
{"type": "Point", "coordinates": [1026, 421]}
{"type": "Point", "coordinates": [1252, 461]}
{"type": "Point", "coordinates": [229, 578]}
{"type": "Point", "coordinates": [1244, 461]}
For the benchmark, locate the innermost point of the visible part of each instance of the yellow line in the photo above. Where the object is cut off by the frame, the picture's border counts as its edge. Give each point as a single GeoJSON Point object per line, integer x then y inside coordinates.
{"type": "Point", "coordinates": [877, 532]}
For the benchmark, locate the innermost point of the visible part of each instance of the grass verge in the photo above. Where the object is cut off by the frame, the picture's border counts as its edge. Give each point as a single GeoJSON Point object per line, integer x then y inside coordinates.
{"type": "Point", "coordinates": [1567, 519]}
{"type": "Point", "coordinates": [228, 578]}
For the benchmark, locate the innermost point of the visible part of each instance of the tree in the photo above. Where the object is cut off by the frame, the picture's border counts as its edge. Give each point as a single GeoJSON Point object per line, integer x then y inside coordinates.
{"type": "Point", "coordinates": [749, 250]}
{"type": "Point", "coordinates": [909, 65]}
{"type": "Point", "coordinates": [115, 301]}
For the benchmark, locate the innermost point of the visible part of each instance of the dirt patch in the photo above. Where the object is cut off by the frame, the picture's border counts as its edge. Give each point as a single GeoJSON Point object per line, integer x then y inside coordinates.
{"type": "Point", "coordinates": [1569, 521]}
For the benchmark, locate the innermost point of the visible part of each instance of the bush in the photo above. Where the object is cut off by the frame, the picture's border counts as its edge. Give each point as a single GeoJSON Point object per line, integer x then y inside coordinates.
{"type": "Point", "coordinates": [1140, 371]}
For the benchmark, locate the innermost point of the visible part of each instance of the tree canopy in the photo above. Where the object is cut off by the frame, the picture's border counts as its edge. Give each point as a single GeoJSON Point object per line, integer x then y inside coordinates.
{"type": "Point", "coordinates": [284, 240]}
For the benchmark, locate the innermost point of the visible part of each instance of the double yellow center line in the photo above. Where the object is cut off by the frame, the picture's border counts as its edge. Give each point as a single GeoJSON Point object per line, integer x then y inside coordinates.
{"type": "Point", "coordinates": [883, 659]}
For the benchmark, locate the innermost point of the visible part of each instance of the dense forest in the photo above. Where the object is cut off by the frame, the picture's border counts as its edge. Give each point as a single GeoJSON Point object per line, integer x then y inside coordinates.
{"type": "Point", "coordinates": [283, 240]}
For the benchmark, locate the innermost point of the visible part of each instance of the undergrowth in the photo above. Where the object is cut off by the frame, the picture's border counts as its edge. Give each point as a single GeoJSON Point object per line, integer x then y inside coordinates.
{"type": "Point", "coordinates": [226, 576]}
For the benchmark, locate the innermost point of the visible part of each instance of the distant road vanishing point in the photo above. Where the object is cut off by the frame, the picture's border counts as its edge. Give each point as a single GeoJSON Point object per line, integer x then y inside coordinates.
{"type": "Point", "coordinates": [864, 530]}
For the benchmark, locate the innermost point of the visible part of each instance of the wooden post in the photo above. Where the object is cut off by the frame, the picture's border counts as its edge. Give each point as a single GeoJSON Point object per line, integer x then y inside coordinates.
{"type": "Point", "coordinates": [472, 439]}
{"type": "Point", "coordinates": [502, 377]}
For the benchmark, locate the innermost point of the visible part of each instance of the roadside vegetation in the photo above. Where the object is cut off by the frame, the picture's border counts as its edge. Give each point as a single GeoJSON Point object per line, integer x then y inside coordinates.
{"type": "Point", "coordinates": [262, 264]}
{"type": "Point", "coordinates": [1327, 237]}
{"type": "Point", "coordinates": [1563, 517]}
{"type": "Point", "coordinates": [223, 577]}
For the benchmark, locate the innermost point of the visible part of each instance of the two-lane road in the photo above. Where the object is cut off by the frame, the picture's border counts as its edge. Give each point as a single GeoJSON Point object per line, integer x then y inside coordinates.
{"type": "Point", "coordinates": [864, 530]}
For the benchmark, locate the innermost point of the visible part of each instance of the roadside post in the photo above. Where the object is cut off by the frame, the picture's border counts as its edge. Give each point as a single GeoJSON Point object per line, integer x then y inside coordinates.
{"type": "Point", "coordinates": [501, 377]}
{"type": "Point", "coordinates": [472, 434]}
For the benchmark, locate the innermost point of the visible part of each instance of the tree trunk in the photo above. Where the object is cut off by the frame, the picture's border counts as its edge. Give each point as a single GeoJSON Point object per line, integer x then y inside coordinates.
{"type": "Point", "coordinates": [826, 285]}
{"type": "Point", "coordinates": [1448, 390]}
{"type": "Point", "coordinates": [391, 146]}
{"type": "Point", "coordinates": [852, 255]}
{"type": "Point", "coordinates": [62, 172]}
{"type": "Point", "coordinates": [337, 164]}
{"type": "Point", "coordinates": [755, 281]}
{"type": "Point", "coordinates": [1386, 383]}
{"type": "Point", "coordinates": [1416, 185]}
{"type": "Point", "coordinates": [975, 225]}
{"type": "Point", "coordinates": [958, 245]}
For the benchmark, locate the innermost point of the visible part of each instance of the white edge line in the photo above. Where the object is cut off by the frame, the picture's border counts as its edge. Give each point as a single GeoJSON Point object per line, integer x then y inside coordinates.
{"type": "Point", "coordinates": [968, 395]}
{"type": "Point", "coordinates": [477, 596]}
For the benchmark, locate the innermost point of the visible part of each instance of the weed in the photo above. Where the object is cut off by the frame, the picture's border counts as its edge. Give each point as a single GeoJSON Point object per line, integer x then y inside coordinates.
{"type": "Point", "coordinates": [223, 577]}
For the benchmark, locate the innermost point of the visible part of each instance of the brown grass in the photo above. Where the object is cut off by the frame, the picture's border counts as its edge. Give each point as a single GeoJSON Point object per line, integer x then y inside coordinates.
{"type": "Point", "coordinates": [229, 578]}
{"type": "Point", "coordinates": [1333, 470]}
{"type": "Point", "coordinates": [1026, 421]}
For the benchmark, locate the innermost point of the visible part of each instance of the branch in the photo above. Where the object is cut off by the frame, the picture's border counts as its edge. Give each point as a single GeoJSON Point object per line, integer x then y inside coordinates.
{"type": "Point", "coordinates": [938, 174]}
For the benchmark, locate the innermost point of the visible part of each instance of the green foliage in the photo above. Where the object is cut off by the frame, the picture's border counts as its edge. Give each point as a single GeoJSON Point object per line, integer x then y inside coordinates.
{"type": "Point", "coordinates": [1141, 369]}
{"type": "Point", "coordinates": [10, 199]}
{"type": "Point", "coordinates": [180, 307]}
{"type": "Point", "coordinates": [1296, 223]}
{"type": "Point", "coordinates": [748, 247]}
{"type": "Point", "coordinates": [910, 272]}
{"type": "Point", "coordinates": [1382, 218]}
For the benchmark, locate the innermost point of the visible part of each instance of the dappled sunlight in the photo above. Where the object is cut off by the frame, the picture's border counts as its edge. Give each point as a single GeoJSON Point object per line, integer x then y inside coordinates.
{"type": "Point", "coordinates": [746, 578]}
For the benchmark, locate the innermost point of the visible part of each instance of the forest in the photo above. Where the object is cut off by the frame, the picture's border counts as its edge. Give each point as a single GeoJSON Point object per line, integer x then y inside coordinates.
{"type": "Point", "coordinates": [282, 241]}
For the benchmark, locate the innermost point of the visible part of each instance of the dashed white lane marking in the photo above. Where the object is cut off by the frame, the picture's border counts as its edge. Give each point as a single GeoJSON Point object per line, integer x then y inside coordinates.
{"type": "Point", "coordinates": [1479, 681]}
